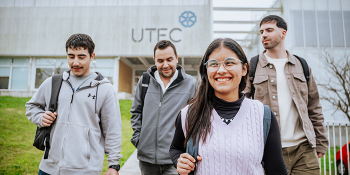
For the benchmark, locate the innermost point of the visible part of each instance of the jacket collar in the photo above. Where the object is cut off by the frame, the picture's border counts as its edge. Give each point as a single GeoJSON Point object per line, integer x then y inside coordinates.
{"type": "Point", "coordinates": [100, 79]}
{"type": "Point", "coordinates": [263, 60]}
{"type": "Point", "coordinates": [180, 77]}
{"type": "Point", "coordinates": [181, 70]}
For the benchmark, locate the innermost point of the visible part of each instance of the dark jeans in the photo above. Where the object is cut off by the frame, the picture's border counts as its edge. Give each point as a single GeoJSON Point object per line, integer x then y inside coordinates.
{"type": "Point", "coordinates": [42, 173]}
{"type": "Point", "coordinates": [152, 169]}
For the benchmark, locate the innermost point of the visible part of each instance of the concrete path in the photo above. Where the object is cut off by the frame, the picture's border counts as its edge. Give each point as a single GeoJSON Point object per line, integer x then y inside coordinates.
{"type": "Point", "coordinates": [131, 166]}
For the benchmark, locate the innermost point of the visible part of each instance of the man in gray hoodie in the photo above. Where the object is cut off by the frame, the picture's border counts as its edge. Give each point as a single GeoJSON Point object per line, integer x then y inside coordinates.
{"type": "Point", "coordinates": [88, 122]}
{"type": "Point", "coordinates": [153, 119]}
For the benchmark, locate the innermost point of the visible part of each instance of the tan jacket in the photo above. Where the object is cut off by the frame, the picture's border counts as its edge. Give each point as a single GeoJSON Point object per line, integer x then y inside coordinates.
{"type": "Point", "coordinates": [305, 97]}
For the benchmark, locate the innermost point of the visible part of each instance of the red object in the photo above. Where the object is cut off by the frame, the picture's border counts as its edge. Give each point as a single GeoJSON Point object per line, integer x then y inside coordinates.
{"type": "Point", "coordinates": [345, 155]}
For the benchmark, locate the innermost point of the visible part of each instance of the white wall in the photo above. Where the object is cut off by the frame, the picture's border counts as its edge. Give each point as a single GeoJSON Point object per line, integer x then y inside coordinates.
{"type": "Point", "coordinates": [41, 28]}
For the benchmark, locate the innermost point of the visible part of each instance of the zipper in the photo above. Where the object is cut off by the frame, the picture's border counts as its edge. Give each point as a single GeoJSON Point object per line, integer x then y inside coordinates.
{"type": "Point", "coordinates": [70, 108]}
{"type": "Point", "coordinates": [70, 85]}
{"type": "Point", "coordinates": [160, 105]}
{"type": "Point", "coordinates": [65, 135]}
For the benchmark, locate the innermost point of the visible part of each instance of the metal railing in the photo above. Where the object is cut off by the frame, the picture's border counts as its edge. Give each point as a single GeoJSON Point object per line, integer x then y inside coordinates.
{"type": "Point", "coordinates": [338, 136]}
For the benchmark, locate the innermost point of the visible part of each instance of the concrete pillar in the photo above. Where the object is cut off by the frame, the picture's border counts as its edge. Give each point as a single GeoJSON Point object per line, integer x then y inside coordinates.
{"type": "Point", "coordinates": [116, 74]}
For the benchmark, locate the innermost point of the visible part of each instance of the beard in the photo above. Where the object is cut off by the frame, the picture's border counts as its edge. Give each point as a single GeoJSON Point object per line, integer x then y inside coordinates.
{"type": "Point", "coordinates": [271, 44]}
{"type": "Point", "coordinates": [167, 75]}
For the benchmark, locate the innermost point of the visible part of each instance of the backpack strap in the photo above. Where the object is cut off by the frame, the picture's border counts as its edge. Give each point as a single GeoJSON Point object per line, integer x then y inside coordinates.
{"type": "Point", "coordinates": [305, 67]}
{"type": "Point", "coordinates": [55, 90]}
{"type": "Point", "coordinates": [253, 63]}
{"type": "Point", "coordinates": [266, 122]}
{"type": "Point", "coordinates": [192, 149]}
{"type": "Point", "coordinates": [145, 82]}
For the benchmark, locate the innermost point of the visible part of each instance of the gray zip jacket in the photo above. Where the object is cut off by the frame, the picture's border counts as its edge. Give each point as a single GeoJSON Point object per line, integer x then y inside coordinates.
{"type": "Point", "coordinates": [77, 143]}
{"type": "Point", "coordinates": [154, 124]}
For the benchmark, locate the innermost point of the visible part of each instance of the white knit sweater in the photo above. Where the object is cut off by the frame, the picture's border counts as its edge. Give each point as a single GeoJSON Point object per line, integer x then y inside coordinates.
{"type": "Point", "coordinates": [236, 148]}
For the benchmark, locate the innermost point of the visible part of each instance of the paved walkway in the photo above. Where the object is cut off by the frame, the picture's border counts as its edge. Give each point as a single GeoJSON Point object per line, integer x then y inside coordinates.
{"type": "Point", "coordinates": [131, 166]}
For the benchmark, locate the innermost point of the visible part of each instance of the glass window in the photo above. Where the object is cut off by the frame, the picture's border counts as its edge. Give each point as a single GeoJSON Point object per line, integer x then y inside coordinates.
{"type": "Point", "coordinates": [324, 33]}
{"type": "Point", "coordinates": [41, 75]}
{"type": "Point", "coordinates": [138, 74]}
{"type": "Point", "coordinates": [4, 77]}
{"type": "Point", "coordinates": [62, 63]}
{"type": "Point", "coordinates": [45, 62]}
{"type": "Point", "coordinates": [19, 79]}
{"type": "Point", "coordinates": [60, 70]}
{"type": "Point", "coordinates": [106, 72]}
{"type": "Point", "coordinates": [337, 28]}
{"type": "Point", "coordinates": [298, 28]}
{"type": "Point", "coordinates": [21, 61]}
{"type": "Point", "coordinates": [5, 61]}
{"type": "Point", "coordinates": [310, 28]}
{"type": "Point", "coordinates": [104, 62]}
{"type": "Point", "coordinates": [57, 62]}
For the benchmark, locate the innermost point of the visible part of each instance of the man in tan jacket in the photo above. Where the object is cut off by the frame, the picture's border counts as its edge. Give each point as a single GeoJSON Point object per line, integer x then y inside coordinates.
{"type": "Point", "coordinates": [280, 82]}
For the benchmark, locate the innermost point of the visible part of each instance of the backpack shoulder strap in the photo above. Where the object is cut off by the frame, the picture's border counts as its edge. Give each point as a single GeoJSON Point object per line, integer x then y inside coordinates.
{"type": "Point", "coordinates": [55, 90]}
{"type": "Point", "coordinates": [192, 149]}
{"type": "Point", "coordinates": [253, 63]}
{"type": "Point", "coordinates": [305, 67]}
{"type": "Point", "coordinates": [266, 122]}
{"type": "Point", "coordinates": [145, 82]}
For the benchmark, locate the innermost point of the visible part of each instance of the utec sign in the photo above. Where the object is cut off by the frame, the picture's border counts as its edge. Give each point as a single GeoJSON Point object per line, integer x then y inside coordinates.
{"type": "Point", "coordinates": [159, 32]}
{"type": "Point", "coordinates": [186, 19]}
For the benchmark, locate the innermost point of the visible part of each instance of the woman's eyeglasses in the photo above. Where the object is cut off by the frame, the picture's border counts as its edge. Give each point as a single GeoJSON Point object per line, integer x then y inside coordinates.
{"type": "Point", "coordinates": [229, 63]}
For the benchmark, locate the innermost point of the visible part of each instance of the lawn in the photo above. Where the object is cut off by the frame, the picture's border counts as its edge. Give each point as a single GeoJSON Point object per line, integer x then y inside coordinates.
{"type": "Point", "coordinates": [327, 161]}
{"type": "Point", "coordinates": [18, 156]}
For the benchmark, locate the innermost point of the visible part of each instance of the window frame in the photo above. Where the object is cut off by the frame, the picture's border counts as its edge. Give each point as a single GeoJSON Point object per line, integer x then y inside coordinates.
{"type": "Point", "coordinates": [11, 66]}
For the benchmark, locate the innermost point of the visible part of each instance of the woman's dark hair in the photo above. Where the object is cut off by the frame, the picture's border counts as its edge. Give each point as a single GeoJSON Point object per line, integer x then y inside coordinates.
{"type": "Point", "coordinates": [201, 106]}
{"type": "Point", "coordinates": [80, 40]}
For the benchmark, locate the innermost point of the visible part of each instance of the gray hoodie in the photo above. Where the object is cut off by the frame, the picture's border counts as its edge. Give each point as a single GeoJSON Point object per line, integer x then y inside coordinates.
{"type": "Point", "coordinates": [77, 143]}
{"type": "Point", "coordinates": [154, 126]}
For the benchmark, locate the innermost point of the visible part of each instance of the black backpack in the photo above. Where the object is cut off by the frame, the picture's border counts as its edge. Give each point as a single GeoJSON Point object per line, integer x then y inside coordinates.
{"type": "Point", "coordinates": [145, 82]}
{"type": "Point", "coordinates": [254, 62]}
{"type": "Point", "coordinates": [42, 135]}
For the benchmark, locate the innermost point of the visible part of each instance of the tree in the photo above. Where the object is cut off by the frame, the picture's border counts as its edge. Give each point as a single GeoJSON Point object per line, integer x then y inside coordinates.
{"type": "Point", "coordinates": [337, 85]}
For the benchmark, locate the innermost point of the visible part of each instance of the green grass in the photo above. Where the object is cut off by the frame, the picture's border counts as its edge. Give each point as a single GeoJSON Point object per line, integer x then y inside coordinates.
{"type": "Point", "coordinates": [327, 161]}
{"type": "Point", "coordinates": [18, 156]}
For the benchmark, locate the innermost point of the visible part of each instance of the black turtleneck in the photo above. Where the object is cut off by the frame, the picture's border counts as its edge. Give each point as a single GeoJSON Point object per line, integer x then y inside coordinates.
{"type": "Point", "coordinates": [227, 110]}
{"type": "Point", "coordinates": [273, 159]}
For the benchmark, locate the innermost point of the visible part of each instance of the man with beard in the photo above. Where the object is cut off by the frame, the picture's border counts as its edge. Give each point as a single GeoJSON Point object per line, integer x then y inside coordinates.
{"type": "Point", "coordinates": [153, 117]}
{"type": "Point", "coordinates": [87, 121]}
{"type": "Point", "coordinates": [281, 83]}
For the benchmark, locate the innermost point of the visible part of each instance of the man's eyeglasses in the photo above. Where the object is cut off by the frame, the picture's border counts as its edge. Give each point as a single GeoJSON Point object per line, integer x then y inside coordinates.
{"type": "Point", "coordinates": [229, 63]}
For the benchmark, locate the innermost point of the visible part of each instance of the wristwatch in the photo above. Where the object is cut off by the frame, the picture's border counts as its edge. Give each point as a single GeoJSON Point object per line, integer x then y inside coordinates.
{"type": "Point", "coordinates": [116, 167]}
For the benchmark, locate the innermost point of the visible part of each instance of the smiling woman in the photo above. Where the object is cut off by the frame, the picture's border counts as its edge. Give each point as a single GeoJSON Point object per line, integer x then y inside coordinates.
{"type": "Point", "coordinates": [228, 126]}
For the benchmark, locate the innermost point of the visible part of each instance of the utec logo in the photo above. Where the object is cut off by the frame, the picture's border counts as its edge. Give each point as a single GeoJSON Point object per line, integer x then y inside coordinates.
{"type": "Point", "coordinates": [188, 19]}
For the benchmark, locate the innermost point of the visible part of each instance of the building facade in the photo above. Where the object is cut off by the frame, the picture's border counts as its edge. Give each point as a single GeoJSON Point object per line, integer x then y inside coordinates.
{"type": "Point", "coordinates": [315, 27]}
{"type": "Point", "coordinates": [33, 35]}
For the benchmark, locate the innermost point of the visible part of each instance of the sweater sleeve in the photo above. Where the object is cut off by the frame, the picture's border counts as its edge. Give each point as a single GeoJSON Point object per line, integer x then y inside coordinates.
{"type": "Point", "coordinates": [136, 112]}
{"type": "Point", "coordinates": [111, 124]}
{"type": "Point", "coordinates": [176, 147]}
{"type": "Point", "coordinates": [38, 104]}
{"type": "Point", "coordinates": [273, 157]}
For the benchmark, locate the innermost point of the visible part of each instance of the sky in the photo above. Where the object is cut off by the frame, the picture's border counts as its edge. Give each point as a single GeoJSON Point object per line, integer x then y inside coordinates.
{"type": "Point", "coordinates": [237, 16]}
